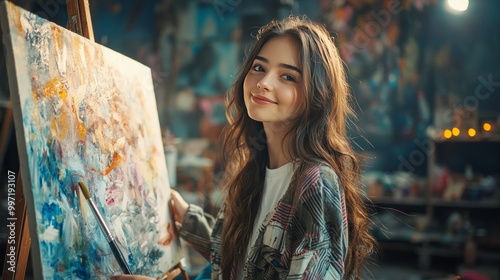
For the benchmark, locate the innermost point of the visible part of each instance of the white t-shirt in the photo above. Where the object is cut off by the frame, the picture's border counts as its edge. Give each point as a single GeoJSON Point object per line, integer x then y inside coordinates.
{"type": "Point", "coordinates": [275, 185]}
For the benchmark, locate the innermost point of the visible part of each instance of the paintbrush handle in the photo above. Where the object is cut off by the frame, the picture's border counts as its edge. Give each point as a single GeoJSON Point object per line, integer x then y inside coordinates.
{"type": "Point", "coordinates": [112, 243]}
{"type": "Point", "coordinates": [119, 257]}
{"type": "Point", "coordinates": [100, 219]}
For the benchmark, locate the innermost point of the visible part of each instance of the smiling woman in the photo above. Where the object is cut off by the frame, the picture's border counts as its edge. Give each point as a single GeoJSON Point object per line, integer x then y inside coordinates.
{"type": "Point", "coordinates": [275, 79]}
{"type": "Point", "coordinates": [293, 206]}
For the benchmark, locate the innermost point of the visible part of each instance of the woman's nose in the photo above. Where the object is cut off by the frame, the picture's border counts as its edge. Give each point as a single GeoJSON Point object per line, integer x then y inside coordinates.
{"type": "Point", "coordinates": [265, 83]}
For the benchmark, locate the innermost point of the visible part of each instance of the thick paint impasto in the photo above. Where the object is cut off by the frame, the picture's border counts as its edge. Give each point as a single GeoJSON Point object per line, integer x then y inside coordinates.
{"type": "Point", "coordinates": [86, 113]}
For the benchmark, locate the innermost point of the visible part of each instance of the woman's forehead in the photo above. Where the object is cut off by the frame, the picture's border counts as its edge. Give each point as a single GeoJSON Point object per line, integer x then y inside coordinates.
{"type": "Point", "coordinates": [282, 49]}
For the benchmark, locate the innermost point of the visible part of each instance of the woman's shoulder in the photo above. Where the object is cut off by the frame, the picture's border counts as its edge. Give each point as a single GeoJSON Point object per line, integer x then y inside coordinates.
{"type": "Point", "coordinates": [328, 176]}
{"type": "Point", "coordinates": [318, 176]}
{"type": "Point", "coordinates": [319, 173]}
{"type": "Point", "coordinates": [319, 190]}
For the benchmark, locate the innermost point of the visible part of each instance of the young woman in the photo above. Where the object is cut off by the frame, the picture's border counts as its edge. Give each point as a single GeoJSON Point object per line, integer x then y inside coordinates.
{"type": "Point", "coordinates": [293, 206]}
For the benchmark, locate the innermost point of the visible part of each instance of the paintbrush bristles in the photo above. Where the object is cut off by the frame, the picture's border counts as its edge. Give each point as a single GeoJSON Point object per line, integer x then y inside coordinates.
{"type": "Point", "coordinates": [84, 190]}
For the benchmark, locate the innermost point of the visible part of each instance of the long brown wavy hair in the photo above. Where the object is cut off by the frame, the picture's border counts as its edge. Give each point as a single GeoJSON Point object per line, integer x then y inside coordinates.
{"type": "Point", "coordinates": [318, 136]}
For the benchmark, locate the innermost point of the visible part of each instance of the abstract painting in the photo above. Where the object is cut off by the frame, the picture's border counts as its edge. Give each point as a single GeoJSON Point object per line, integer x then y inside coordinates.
{"type": "Point", "coordinates": [86, 113]}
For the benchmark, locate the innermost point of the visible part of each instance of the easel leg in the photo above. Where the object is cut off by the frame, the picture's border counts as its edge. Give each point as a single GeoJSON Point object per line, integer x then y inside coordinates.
{"type": "Point", "coordinates": [5, 133]}
{"type": "Point", "coordinates": [17, 253]}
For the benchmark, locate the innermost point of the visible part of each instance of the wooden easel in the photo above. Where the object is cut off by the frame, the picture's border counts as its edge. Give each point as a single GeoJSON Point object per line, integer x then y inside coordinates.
{"type": "Point", "coordinates": [80, 22]}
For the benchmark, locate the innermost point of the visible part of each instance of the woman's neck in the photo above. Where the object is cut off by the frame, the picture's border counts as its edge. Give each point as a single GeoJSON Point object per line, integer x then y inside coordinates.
{"type": "Point", "coordinates": [279, 150]}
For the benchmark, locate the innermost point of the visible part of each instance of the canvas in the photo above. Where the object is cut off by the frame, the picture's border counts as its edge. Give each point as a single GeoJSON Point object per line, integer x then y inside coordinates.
{"type": "Point", "coordinates": [86, 113]}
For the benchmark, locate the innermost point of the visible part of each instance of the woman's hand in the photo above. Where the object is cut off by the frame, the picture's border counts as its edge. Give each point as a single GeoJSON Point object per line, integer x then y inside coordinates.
{"type": "Point", "coordinates": [130, 277]}
{"type": "Point", "coordinates": [179, 206]}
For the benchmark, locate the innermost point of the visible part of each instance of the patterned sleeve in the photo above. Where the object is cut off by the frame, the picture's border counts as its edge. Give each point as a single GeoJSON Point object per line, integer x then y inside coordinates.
{"type": "Point", "coordinates": [196, 229]}
{"type": "Point", "coordinates": [320, 229]}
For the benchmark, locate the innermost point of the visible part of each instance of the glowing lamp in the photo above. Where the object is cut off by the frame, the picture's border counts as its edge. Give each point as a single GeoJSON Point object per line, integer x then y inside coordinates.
{"type": "Point", "coordinates": [447, 134]}
{"type": "Point", "coordinates": [471, 132]}
{"type": "Point", "coordinates": [486, 126]}
{"type": "Point", "coordinates": [458, 5]}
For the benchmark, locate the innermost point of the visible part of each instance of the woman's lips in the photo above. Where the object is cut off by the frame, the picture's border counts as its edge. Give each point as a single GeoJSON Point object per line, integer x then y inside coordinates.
{"type": "Point", "coordinates": [259, 99]}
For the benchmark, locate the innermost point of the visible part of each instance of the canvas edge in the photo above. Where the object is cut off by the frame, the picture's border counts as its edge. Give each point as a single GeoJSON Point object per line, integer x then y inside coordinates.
{"type": "Point", "coordinates": [12, 75]}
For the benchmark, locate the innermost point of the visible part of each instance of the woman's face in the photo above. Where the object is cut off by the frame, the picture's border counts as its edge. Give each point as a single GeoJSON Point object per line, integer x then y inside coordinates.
{"type": "Point", "coordinates": [274, 87]}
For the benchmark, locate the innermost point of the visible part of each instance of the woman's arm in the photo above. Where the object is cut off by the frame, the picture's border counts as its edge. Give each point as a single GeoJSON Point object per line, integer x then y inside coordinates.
{"type": "Point", "coordinates": [179, 206]}
{"type": "Point", "coordinates": [320, 235]}
{"type": "Point", "coordinates": [195, 226]}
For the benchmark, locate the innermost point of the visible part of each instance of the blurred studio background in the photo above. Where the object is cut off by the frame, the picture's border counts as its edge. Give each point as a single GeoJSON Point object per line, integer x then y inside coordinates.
{"type": "Point", "coordinates": [425, 75]}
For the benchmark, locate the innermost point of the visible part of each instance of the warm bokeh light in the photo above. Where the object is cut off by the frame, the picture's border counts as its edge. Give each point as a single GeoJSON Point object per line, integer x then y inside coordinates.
{"type": "Point", "coordinates": [447, 134]}
{"type": "Point", "coordinates": [455, 131]}
{"type": "Point", "coordinates": [486, 126]}
{"type": "Point", "coordinates": [458, 5]}
{"type": "Point", "coordinates": [471, 132]}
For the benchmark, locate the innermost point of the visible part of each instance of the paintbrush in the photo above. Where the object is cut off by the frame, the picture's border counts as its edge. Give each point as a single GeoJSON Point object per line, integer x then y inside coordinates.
{"type": "Point", "coordinates": [111, 240]}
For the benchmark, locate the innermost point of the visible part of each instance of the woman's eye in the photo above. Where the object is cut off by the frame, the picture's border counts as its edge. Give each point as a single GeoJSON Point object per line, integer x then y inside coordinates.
{"type": "Point", "coordinates": [289, 77]}
{"type": "Point", "coordinates": [257, 68]}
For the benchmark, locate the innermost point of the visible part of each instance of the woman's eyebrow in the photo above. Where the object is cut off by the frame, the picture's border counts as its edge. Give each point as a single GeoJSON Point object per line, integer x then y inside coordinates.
{"type": "Point", "coordinates": [284, 65]}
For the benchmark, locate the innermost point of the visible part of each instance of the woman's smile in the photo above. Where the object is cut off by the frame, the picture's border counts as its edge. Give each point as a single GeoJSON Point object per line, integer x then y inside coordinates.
{"type": "Point", "coordinates": [262, 100]}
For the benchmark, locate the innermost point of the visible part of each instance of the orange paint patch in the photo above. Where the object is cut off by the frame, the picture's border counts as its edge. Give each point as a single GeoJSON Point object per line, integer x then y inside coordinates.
{"type": "Point", "coordinates": [116, 160]}
{"type": "Point", "coordinates": [61, 124]}
{"type": "Point", "coordinates": [166, 240]}
{"type": "Point", "coordinates": [35, 95]}
{"type": "Point", "coordinates": [55, 87]}
{"type": "Point", "coordinates": [81, 130]}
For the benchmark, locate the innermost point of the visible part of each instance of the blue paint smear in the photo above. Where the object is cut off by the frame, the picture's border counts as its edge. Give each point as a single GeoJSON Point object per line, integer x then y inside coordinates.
{"type": "Point", "coordinates": [54, 213]}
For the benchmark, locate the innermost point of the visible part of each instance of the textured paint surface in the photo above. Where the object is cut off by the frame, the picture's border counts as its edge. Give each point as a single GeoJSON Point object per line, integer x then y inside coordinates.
{"type": "Point", "coordinates": [88, 113]}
